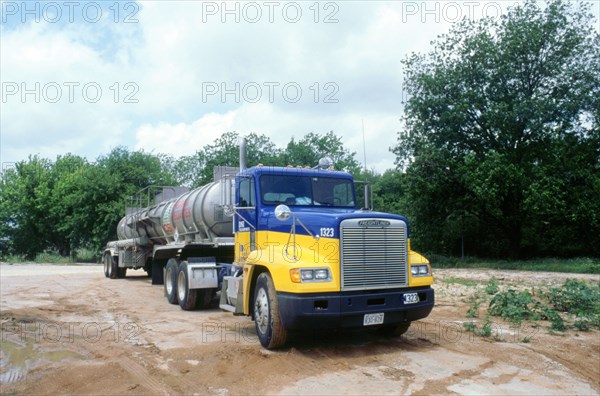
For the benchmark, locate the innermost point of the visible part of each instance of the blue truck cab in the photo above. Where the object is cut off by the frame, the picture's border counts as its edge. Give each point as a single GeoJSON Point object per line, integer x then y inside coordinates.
{"type": "Point", "coordinates": [312, 259]}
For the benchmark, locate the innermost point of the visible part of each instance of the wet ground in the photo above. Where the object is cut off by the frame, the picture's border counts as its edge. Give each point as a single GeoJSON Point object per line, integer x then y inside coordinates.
{"type": "Point", "coordinates": [69, 330]}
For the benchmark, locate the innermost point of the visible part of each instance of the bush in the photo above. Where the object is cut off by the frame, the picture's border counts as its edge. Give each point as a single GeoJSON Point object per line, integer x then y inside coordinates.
{"type": "Point", "coordinates": [515, 306]}
{"type": "Point", "coordinates": [575, 297]}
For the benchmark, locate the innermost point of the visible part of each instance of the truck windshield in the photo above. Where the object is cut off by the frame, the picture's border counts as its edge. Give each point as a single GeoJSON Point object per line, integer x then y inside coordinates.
{"type": "Point", "coordinates": [306, 191]}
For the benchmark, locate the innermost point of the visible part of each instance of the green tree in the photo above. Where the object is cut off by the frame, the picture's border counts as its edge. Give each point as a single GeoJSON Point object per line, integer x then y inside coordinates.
{"type": "Point", "coordinates": [309, 149]}
{"type": "Point", "coordinates": [59, 197]}
{"type": "Point", "coordinates": [71, 203]}
{"type": "Point", "coordinates": [197, 169]}
{"type": "Point", "coordinates": [492, 111]}
{"type": "Point", "coordinates": [389, 191]}
{"type": "Point", "coordinates": [115, 179]}
{"type": "Point", "coordinates": [22, 210]}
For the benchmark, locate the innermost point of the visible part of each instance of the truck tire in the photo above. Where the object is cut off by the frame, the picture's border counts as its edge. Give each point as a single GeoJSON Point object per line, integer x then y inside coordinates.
{"type": "Point", "coordinates": [171, 271]}
{"type": "Point", "coordinates": [269, 328]}
{"type": "Point", "coordinates": [395, 330]}
{"type": "Point", "coordinates": [106, 262]}
{"type": "Point", "coordinates": [205, 297]}
{"type": "Point", "coordinates": [121, 272]}
{"type": "Point", "coordinates": [186, 297]}
{"type": "Point", "coordinates": [114, 268]}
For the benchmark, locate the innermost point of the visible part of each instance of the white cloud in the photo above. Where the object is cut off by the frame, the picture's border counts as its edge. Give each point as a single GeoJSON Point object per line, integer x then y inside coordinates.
{"type": "Point", "coordinates": [176, 49]}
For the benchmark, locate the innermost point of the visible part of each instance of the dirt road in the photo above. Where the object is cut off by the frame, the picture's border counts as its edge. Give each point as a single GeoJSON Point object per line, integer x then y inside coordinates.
{"type": "Point", "coordinates": [69, 330]}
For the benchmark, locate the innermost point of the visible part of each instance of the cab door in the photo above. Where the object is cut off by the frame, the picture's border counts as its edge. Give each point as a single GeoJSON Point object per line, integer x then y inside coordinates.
{"type": "Point", "coordinates": [245, 218]}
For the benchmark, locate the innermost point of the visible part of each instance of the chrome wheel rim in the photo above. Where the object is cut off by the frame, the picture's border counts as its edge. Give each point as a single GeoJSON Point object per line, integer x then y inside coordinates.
{"type": "Point", "coordinates": [169, 281]}
{"type": "Point", "coordinates": [261, 310]}
{"type": "Point", "coordinates": [181, 286]}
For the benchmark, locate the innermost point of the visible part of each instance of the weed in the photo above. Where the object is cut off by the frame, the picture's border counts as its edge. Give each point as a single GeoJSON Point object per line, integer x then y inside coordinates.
{"type": "Point", "coordinates": [582, 325]}
{"type": "Point", "coordinates": [515, 306]}
{"type": "Point", "coordinates": [486, 328]}
{"type": "Point", "coordinates": [492, 287]}
{"type": "Point", "coordinates": [470, 327]}
{"type": "Point", "coordinates": [575, 297]}
{"type": "Point", "coordinates": [556, 322]}
{"type": "Point", "coordinates": [473, 311]}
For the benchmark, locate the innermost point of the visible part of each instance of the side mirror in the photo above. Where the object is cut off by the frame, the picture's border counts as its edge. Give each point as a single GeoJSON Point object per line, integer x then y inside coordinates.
{"type": "Point", "coordinates": [227, 194]}
{"type": "Point", "coordinates": [282, 212]}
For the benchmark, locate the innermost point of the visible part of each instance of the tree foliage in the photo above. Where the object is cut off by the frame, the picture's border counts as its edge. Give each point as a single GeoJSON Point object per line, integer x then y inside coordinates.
{"type": "Point", "coordinates": [502, 134]}
{"type": "Point", "coordinates": [71, 203]}
{"type": "Point", "coordinates": [312, 147]}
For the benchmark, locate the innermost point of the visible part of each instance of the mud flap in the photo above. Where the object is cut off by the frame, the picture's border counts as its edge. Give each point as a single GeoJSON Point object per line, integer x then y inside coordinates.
{"type": "Point", "coordinates": [158, 275]}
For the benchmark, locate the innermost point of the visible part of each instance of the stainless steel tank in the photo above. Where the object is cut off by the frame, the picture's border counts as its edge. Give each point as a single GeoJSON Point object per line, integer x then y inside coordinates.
{"type": "Point", "coordinates": [193, 216]}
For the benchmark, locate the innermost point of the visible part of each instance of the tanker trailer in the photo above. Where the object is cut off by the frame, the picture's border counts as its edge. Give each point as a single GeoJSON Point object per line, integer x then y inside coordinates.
{"type": "Point", "coordinates": [176, 225]}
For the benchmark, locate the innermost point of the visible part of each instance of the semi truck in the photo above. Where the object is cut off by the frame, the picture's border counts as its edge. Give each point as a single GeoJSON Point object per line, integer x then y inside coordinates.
{"type": "Point", "coordinates": [287, 246]}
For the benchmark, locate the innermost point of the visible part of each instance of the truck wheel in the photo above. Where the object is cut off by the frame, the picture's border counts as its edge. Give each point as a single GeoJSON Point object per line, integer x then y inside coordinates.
{"type": "Point", "coordinates": [186, 297]}
{"type": "Point", "coordinates": [171, 280]}
{"type": "Point", "coordinates": [114, 268]}
{"type": "Point", "coordinates": [205, 297]}
{"type": "Point", "coordinates": [269, 328]}
{"type": "Point", "coordinates": [121, 273]}
{"type": "Point", "coordinates": [106, 262]}
{"type": "Point", "coordinates": [395, 330]}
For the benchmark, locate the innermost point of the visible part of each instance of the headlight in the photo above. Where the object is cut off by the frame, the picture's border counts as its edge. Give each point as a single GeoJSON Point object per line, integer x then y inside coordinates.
{"type": "Point", "coordinates": [298, 275]}
{"type": "Point", "coordinates": [307, 275]}
{"type": "Point", "coordinates": [420, 270]}
{"type": "Point", "coordinates": [322, 274]}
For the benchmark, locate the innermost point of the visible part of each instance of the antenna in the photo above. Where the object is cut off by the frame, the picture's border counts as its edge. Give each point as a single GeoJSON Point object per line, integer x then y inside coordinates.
{"type": "Point", "coordinates": [364, 147]}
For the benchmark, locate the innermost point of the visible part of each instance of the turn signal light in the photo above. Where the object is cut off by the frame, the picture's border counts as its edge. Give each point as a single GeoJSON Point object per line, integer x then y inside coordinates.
{"type": "Point", "coordinates": [295, 275]}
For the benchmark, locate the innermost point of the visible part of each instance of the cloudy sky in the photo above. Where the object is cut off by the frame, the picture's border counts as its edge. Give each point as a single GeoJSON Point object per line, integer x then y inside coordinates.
{"type": "Point", "coordinates": [171, 76]}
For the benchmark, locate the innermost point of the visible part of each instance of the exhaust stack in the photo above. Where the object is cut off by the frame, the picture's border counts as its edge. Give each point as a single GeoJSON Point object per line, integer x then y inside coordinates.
{"type": "Point", "coordinates": [242, 153]}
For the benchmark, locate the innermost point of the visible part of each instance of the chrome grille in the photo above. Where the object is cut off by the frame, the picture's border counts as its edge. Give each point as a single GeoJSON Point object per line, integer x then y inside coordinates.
{"type": "Point", "coordinates": [373, 254]}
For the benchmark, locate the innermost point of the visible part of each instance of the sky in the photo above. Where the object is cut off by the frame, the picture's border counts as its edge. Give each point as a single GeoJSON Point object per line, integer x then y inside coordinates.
{"type": "Point", "coordinates": [172, 76]}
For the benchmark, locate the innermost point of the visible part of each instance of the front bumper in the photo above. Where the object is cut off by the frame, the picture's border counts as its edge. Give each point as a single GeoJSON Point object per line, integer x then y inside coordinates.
{"type": "Point", "coordinates": [347, 309]}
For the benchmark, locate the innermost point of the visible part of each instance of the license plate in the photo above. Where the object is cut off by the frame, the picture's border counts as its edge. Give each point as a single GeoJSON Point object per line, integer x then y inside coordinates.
{"type": "Point", "coordinates": [373, 319]}
{"type": "Point", "coordinates": [411, 298]}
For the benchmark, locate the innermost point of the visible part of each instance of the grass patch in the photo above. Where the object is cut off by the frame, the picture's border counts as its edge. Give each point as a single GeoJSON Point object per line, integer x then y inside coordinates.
{"type": "Point", "coordinates": [582, 265]}
{"type": "Point", "coordinates": [79, 256]}
{"type": "Point", "coordinates": [458, 281]}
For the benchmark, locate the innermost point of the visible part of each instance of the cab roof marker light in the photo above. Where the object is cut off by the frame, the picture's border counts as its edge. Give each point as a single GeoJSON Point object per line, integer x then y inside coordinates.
{"type": "Point", "coordinates": [325, 163]}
